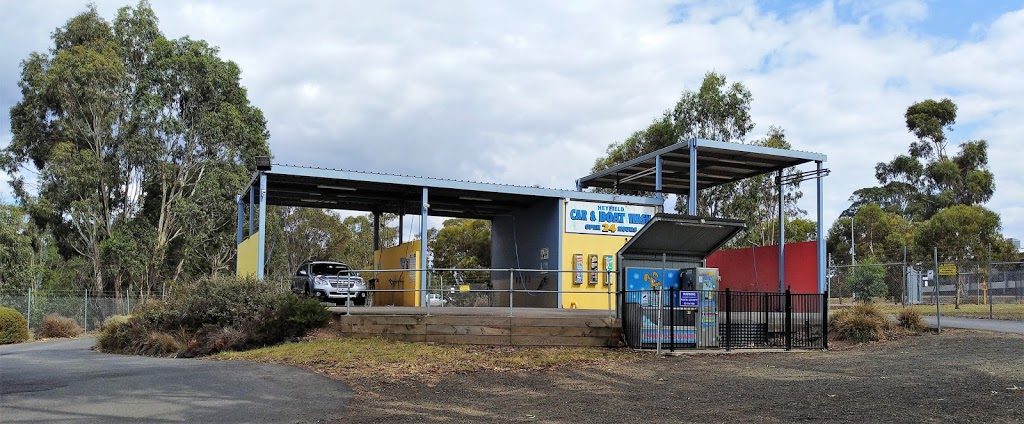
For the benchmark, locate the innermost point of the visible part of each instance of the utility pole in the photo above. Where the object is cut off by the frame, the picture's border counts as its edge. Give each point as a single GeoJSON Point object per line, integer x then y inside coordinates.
{"type": "Point", "coordinates": [853, 252]}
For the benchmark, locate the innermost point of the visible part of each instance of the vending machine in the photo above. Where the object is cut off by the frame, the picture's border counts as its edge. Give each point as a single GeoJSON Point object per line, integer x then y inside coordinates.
{"type": "Point", "coordinates": [701, 288]}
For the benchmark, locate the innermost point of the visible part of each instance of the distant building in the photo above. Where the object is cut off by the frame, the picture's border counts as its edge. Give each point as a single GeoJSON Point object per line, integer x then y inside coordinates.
{"type": "Point", "coordinates": [1016, 244]}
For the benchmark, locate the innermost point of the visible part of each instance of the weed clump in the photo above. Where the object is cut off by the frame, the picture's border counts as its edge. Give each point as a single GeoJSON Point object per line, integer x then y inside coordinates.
{"type": "Point", "coordinates": [58, 327]}
{"type": "Point", "coordinates": [864, 322]}
{"type": "Point", "coordinates": [910, 319]}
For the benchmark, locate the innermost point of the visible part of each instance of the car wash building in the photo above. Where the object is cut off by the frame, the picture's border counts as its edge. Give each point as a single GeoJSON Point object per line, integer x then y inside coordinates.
{"type": "Point", "coordinates": [550, 248]}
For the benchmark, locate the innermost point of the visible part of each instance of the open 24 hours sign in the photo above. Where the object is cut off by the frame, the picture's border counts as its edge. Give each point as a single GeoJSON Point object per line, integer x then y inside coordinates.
{"type": "Point", "coordinates": [606, 218]}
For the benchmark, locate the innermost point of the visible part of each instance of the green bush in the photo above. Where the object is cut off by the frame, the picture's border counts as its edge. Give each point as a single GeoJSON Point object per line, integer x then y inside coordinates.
{"type": "Point", "coordinates": [910, 319]}
{"type": "Point", "coordinates": [868, 280]}
{"type": "Point", "coordinates": [13, 326]}
{"type": "Point", "coordinates": [113, 336]}
{"type": "Point", "coordinates": [862, 323]}
{"type": "Point", "coordinates": [57, 326]}
{"type": "Point", "coordinates": [213, 315]}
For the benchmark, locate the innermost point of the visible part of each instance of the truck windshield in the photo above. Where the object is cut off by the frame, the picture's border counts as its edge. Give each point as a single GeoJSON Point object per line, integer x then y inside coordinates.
{"type": "Point", "coordinates": [330, 269]}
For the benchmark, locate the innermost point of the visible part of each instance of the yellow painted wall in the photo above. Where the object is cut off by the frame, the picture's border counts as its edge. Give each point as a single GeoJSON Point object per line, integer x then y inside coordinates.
{"type": "Point", "coordinates": [391, 258]}
{"type": "Point", "coordinates": [248, 255]}
{"type": "Point", "coordinates": [587, 295]}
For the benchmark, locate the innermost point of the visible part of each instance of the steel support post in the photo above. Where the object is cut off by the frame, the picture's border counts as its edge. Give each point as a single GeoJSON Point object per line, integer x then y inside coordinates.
{"type": "Point", "coordinates": [261, 252]}
{"type": "Point", "coordinates": [782, 234]}
{"type": "Point", "coordinates": [821, 231]}
{"type": "Point", "coordinates": [424, 206]}
{"type": "Point", "coordinates": [691, 200]}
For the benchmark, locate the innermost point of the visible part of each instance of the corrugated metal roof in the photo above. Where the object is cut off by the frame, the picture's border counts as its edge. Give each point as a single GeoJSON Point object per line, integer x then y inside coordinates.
{"type": "Point", "coordinates": [681, 236]}
{"type": "Point", "coordinates": [325, 188]}
{"type": "Point", "coordinates": [718, 163]}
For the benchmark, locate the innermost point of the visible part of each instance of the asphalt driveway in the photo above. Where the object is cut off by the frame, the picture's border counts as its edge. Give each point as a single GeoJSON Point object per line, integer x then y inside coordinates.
{"type": "Point", "coordinates": [65, 381]}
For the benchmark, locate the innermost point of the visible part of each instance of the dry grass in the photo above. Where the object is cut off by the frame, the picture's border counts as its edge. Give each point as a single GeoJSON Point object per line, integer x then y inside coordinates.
{"type": "Point", "coordinates": [59, 327]}
{"type": "Point", "coordinates": [1006, 311]}
{"type": "Point", "coordinates": [393, 361]}
{"type": "Point", "coordinates": [865, 322]}
{"type": "Point", "coordinates": [910, 319]}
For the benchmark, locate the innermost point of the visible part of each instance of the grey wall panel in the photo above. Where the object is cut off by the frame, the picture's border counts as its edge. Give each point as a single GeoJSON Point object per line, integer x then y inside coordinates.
{"type": "Point", "coordinates": [516, 242]}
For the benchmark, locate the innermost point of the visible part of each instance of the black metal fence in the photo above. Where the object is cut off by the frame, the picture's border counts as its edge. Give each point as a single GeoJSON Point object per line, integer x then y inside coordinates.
{"type": "Point", "coordinates": [673, 319]}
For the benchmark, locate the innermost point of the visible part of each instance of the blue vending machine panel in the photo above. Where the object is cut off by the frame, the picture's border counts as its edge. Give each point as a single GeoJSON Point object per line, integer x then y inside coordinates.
{"type": "Point", "coordinates": [641, 284]}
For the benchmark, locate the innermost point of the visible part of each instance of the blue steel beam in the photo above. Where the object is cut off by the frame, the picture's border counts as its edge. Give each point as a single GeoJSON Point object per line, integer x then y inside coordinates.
{"type": "Point", "coordinates": [821, 233]}
{"type": "Point", "coordinates": [782, 235]}
{"type": "Point", "coordinates": [691, 202]}
{"type": "Point", "coordinates": [261, 254]}
{"type": "Point", "coordinates": [423, 247]}
{"type": "Point", "coordinates": [657, 176]}
{"type": "Point", "coordinates": [252, 206]}
{"type": "Point", "coordinates": [241, 221]}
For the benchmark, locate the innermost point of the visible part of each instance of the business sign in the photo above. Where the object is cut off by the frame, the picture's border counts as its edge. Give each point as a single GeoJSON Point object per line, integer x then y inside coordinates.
{"type": "Point", "coordinates": [689, 299]}
{"type": "Point", "coordinates": [947, 270]}
{"type": "Point", "coordinates": [606, 218]}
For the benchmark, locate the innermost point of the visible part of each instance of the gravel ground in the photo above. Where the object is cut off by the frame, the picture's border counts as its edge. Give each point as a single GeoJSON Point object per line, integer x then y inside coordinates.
{"type": "Point", "coordinates": [958, 376]}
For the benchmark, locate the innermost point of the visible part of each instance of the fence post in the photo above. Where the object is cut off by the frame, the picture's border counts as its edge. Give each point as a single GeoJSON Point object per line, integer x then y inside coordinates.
{"type": "Point", "coordinates": [767, 322]}
{"type": "Point", "coordinates": [789, 320]}
{"type": "Point", "coordinates": [824, 322]}
{"type": "Point", "coordinates": [86, 309]}
{"type": "Point", "coordinates": [672, 320]}
{"type": "Point", "coordinates": [661, 308]}
{"type": "Point", "coordinates": [29, 317]}
{"type": "Point", "coordinates": [511, 276]}
{"type": "Point", "coordinates": [728, 320]}
{"type": "Point", "coordinates": [608, 281]}
{"type": "Point", "coordinates": [426, 296]}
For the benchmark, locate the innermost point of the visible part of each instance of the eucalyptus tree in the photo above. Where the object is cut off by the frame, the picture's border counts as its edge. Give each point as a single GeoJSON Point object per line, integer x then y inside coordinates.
{"type": "Point", "coordinates": [719, 111]}
{"type": "Point", "coordinates": [140, 143]}
{"type": "Point", "coordinates": [927, 179]}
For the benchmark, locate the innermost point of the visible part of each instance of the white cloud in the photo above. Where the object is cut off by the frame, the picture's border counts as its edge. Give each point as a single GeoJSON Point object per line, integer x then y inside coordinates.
{"type": "Point", "coordinates": [532, 92]}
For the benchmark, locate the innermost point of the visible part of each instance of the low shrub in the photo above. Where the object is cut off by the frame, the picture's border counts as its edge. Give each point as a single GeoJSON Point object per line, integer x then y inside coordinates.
{"type": "Point", "coordinates": [862, 323]}
{"type": "Point", "coordinates": [214, 315]}
{"type": "Point", "coordinates": [13, 326]}
{"type": "Point", "coordinates": [57, 326]}
{"type": "Point", "coordinates": [910, 319]}
{"type": "Point", "coordinates": [113, 336]}
{"type": "Point", "coordinates": [159, 344]}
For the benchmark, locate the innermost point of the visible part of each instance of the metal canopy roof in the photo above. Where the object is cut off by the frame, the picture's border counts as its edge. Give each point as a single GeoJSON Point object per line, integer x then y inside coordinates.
{"type": "Point", "coordinates": [718, 162]}
{"type": "Point", "coordinates": [680, 236]}
{"type": "Point", "coordinates": [289, 185]}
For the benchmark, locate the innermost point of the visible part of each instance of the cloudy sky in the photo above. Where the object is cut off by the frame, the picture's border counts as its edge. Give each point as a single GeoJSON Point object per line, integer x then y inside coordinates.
{"type": "Point", "coordinates": [531, 92]}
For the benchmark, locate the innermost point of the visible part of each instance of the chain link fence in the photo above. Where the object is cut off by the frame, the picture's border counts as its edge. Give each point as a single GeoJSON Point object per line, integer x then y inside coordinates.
{"type": "Point", "coordinates": [1003, 282]}
{"type": "Point", "coordinates": [89, 309]}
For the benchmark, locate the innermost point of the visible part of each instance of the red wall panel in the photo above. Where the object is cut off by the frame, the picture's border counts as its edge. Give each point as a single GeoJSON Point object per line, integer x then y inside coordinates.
{"type": "Point", "coordinates": [757, 268]}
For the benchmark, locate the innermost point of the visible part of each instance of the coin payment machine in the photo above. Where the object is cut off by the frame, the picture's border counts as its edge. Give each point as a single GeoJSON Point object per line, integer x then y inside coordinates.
{"type": "Point", "coordinates": [688, 304]}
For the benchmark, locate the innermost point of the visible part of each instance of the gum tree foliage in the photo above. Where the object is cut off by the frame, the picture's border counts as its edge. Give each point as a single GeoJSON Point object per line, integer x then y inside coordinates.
{"type": "Point", "coordinates": [140, 143]}
{"type": "Point", "coordinates": [926, 180]}
{"type": "Point", "coordinates": [16, 249]}
{"type": "Point", "coordinates": [918, 187]}
{"type": "Point", "coordinates": [718, 111]}
{"type": "Point", "coordinates": [963, 236]}
{"type": "Point", "coordinates": [310, 234]}
{"type": "Point", "coordinates": [463, 243]}
{"type": "Point", "coordinates": [878, 234]}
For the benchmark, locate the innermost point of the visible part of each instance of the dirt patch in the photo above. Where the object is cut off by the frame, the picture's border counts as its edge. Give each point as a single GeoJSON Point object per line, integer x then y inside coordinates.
{"type": "Point", "coordinates": [958, 376]}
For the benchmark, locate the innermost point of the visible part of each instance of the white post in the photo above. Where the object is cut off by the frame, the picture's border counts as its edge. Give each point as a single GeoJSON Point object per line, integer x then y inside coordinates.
{"type": "Point", "coordinates": [29, 317]}
{"type": "Point", "coordinates": [86, 309]}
